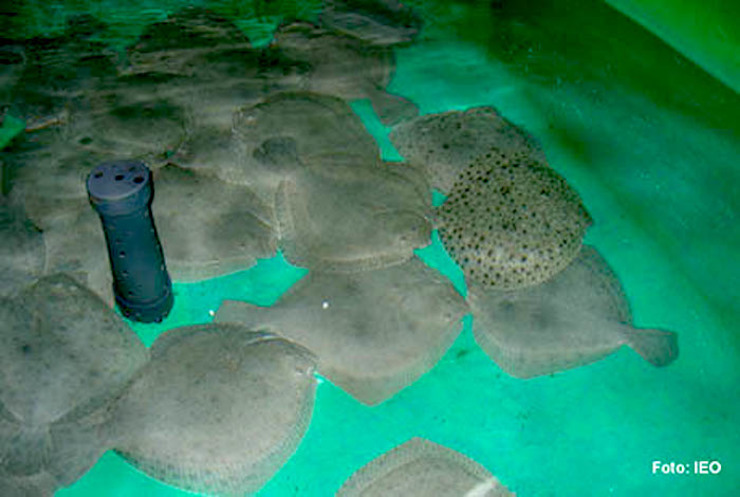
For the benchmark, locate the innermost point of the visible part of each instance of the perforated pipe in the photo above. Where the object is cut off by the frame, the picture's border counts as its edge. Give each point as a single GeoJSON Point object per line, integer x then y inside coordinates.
{"type": "Point", "coordinates": [121, 192]}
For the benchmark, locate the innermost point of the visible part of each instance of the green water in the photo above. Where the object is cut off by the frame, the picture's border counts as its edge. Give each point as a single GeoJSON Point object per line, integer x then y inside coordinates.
{"type": "Point", "coordinates": [652, 144]}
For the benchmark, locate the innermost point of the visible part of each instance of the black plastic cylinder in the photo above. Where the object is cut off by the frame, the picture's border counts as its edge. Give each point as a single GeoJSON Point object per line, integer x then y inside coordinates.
{"type": "Point", "coordinates": [121, 192]}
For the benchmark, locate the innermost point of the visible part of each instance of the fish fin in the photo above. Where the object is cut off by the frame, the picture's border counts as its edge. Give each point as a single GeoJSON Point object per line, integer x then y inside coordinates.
{"type": "Point", "coordinates": [392, 109]}
{"type": "Point", "coordinates": [236, 311]}
{"type": "Point", "coordinates": [658, 347]}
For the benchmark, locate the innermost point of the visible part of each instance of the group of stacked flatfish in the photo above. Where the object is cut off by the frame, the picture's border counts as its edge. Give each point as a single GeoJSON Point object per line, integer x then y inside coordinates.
{"type": "Point", "coordinates": [172, 103]}
{"type": "Point", "coordinates": [541, 301]}
{"type": "Point", "coordinates": [210, 408]}
{"type": "Point", "coordinates": [252, 150]}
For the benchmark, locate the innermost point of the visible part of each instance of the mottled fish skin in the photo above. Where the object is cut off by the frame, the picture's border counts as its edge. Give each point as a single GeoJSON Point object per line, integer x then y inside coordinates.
{"type": "Point", "coordinates": [188, 42]}
{"type": "Point", "coordinates": [511, 221]}
{"type": "Point", "coordinates": [59, 335]}
{"type": "Point", "coordinates": [218, 409]}
{"type": "Point", "coordinates": [420, 468]}
{"type": "Point", "coordinates": [346, 214]}
{"type": "Point", "coordinates": [207, 227]}
{"type": "Point", "coordinates": [200, 62]}
{"type": "Point", "coordinates": [306, 126]}
{"type": "Point", "coordinates": [374, 332]}
{"type": "Point", "coordinates": [578, 317]}
{"type": "Point", "coordinates": [49, 167]}
{"type": "Point", "coordinates": [323, 61]}
{"type": "Point", "coordinates": [444, 143]}
{"type": "Point", "coordinates": [64, 356]}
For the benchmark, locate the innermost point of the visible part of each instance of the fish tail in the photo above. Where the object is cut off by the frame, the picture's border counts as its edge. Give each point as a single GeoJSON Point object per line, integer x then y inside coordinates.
{"type": "Point", "coordinates": [658, 347]}
{"type": "Point", "coordinates": [234, 311]}
{"type": "Point", "coordinates": [391, 109]}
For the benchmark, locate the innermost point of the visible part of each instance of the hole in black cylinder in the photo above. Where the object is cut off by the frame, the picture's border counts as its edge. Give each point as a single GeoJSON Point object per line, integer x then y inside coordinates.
{"type": "Point", "coordinates": [122, 255]}
{"type": "Point", "coordinates": [98, 175]}
{"type": "Point", "coordinates": [138, 179]}
{"type": "Point", "coordinates": [119, 177]}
